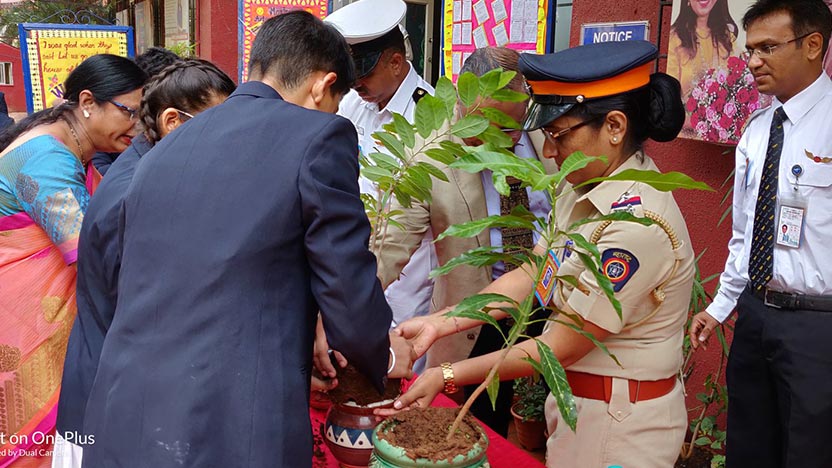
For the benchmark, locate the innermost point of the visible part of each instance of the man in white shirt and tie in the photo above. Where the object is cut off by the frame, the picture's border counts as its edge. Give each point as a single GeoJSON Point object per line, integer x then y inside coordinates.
{"type": "Point", "coordinates": [778, 274]}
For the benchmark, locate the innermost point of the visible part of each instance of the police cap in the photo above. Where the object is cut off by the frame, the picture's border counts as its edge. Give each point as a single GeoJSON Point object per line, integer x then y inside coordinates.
{"type": "Point", "coordinates": [560, 80]}
{"type": "Point", "coordinates": [370, 27]}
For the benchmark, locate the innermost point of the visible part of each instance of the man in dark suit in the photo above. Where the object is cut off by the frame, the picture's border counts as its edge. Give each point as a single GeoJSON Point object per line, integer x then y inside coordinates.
{"type": "Point", "coordinates": [237, 229]}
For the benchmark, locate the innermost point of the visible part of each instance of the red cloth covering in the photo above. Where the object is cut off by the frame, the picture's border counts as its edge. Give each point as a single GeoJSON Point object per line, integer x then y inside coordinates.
{"type": "Point", "coordinates": [501, 453]}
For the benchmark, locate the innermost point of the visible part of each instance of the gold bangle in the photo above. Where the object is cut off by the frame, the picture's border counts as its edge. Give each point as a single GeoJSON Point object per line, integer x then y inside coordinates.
{"type": "Point", "coordinates": [448, 377]}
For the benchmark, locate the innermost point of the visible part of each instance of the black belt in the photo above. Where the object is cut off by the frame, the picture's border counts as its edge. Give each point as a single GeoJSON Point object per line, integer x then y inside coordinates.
{"type": "Point", "coordinates": [781, 300]}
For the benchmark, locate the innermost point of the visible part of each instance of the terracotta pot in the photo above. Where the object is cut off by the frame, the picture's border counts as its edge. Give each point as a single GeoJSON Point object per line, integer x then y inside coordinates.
{"type": "Point", "coordinates": [386, 455]}
{"type": "Point", "coordinates": [348, 432]}
{"type": "Point", "coordinates": [530, 433]}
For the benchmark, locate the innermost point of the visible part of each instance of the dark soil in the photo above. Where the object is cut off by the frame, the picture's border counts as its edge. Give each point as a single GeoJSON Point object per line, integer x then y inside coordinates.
{"type": "Point", "coordinates": [423, 433]}
{"type": "Point", "coordinates": [353, 386]}
{"type": "Point", "coordinates": [318, 454]}
{"type": "Point", "coordinates": [701, 458]}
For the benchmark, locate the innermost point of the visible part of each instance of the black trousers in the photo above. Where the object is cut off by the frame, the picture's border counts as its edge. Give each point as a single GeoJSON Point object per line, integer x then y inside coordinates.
{"type": "Point", "coordinates": [779, 388]}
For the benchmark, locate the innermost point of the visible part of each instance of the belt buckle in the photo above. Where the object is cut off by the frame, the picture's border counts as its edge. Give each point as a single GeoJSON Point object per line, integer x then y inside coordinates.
{"type": "Point", "coordinates": [767, 302]}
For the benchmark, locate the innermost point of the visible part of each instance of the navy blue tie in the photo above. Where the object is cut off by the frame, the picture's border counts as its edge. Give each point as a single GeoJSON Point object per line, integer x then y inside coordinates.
{"type": "Point", "coordinates": [760, 265]}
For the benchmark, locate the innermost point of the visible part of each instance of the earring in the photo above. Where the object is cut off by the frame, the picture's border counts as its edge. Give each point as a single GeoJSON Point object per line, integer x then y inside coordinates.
{"type": "Point", "coordinates": [615, 139]}
{"type": "Point", "coordinates": [86, 114]}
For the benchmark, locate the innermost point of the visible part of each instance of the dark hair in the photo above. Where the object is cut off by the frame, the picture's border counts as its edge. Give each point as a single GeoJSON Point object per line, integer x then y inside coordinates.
{"type": "Point", "coordinates": [187, 85]}
{"type": "Point", "coordinates": [720, 23]}
{"type": "Point", "coordinates": [156, 59]}
{"type": "Point", "coordinates": [105, 76]}
{"type": "Point", "coordinates": [654, 111]}
{"type": "Point", "coordinates": [807, 16]}
{"type": "Point", "coordinates": [486, 59]}
{"type": "Point", "coordinates": [291, 46]}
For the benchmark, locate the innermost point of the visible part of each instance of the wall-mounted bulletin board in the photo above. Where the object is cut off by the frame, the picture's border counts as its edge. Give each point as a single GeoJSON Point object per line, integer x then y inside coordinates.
{"type": "Point", "coordinates": [51, 51]}
{"type": "Point", "coordinates": [472, 24]}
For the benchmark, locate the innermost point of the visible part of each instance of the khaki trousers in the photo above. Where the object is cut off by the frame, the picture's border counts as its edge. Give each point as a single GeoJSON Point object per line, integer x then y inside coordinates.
{"type": "Point", "coordinates": [647, 434]}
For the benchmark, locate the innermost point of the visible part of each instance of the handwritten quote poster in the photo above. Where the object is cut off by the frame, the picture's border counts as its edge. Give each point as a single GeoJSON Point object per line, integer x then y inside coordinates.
{"type": "Point", "coordinates": [51, 53]}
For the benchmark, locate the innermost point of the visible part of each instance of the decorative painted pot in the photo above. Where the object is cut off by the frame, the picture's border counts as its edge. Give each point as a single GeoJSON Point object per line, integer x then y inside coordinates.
{"type": "Point", "coordinates": [387, 455]}
{"type": "Point", "coordinates": [349, 432]}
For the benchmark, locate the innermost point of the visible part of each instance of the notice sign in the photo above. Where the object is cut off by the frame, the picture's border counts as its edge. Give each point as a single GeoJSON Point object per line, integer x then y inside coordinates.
{"type": "Point", "coordinates": [615, 32]}
{"type": "Point", "coordinates": [51, 51]}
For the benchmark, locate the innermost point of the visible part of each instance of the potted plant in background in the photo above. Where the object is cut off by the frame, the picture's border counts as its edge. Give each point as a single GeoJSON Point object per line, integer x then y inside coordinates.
{"type": "Point", "coordinates": [400, 440]}
{"type": "Point", "coordinates": [529, 420]}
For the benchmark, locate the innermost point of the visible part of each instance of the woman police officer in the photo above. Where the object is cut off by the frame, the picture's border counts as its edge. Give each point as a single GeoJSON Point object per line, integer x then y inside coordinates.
{"type": "Point", "coordinates": [600, 99]}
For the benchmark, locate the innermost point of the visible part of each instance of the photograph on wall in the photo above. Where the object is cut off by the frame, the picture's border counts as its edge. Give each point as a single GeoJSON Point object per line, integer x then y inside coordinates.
{"type": "Point", "coordinates": [472, 24]}
{"type": "Point", "coordinates": [177, 22]}
{"type": "Point", "coordinates": [705, 53]}
{"type": "Point", "coordinates": [51, 51]}
{"type": "Point", "coordinates": [253, 13]}
{"type": "Point", "coordinates": [144, 26]}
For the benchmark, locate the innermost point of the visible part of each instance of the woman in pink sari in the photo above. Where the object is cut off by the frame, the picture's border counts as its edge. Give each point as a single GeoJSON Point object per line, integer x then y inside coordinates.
{"type": "Point", "coordinates": [45, 185]}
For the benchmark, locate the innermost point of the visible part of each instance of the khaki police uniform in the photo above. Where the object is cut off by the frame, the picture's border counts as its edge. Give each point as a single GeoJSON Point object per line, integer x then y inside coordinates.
{"type": "Point", "coordinates": [651, 269]}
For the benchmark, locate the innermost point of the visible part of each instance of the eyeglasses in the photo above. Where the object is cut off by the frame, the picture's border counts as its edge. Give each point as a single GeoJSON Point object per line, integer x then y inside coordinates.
{"type": "Point", "coordinates": [130, 111]}
{"type": "Point", "coordinates": [768, 50]}
{"type": "Point", "coordinates": [189, 116]}
{"type": "Point", "coordinates": [553, 136]}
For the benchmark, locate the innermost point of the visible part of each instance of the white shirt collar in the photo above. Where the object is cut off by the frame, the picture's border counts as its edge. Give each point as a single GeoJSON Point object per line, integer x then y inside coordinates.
{"type": "Point", "coordinates": [401, 98]}
{"type": "Point", "coordinates": [804, 101]}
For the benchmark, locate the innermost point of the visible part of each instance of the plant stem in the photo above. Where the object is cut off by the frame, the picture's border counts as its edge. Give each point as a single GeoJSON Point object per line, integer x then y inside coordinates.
{"type": "Point", "coordinates": [687, 451]}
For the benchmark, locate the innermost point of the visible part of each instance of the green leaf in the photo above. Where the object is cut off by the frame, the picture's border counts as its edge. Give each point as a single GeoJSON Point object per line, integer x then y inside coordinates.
{"type": "Point", "coordinates": [702, 441]}
{"type": "Point", "coordinates": [441, 155]}
{"type": "Point", "coordinates": [505, 78]}
{"type": "Point", "coordinates": [470, 126]}
{"type": "Point", "coordinates": [479, 301]}
{"type": "Point", "coordinates": [568, 279]}
{"type": "Point", "coordinates": [493, 388]}
{"type": "Point", "coordinates": [473, 228]}
{"type": "Point", "coordinates": [469, 88]}
{"type": "Point", "coordinates": [580, 241]}
{"type": "Point", "coordinates": [479, 257]}
{"type": "Point", "coordinates": [455, 148]}
{"type": "Point", "coordinates": [663, 182]}
{"type": "Point", "coordinates": [716, 445]}
{"type": "Point", "coordinates": [405, 130]}
{"type": "Point", "coordinates": [377, 174]}
{"type": "Point", "coordinates": [392, 144]}
{"type": "Point", "coordinates": [707, 424]}
{"type": "Point", "coordinates": [616, 216]}
{"type": "Point", "coordinates": [496, 137]}
{"type": "Point", "coordinates": [555, 377]}
{"type": "Point", "coordinates": [403, 198]}
{"type": "Point", "coordinates": [489, 82]}
{"type": "Point", "coordinates": [499, 163]}
{"type": "Point", "coordinates": [384, 160]}
{"type": "Point", "coordinates": [433, 171]}
{"type": "Point", "coordinates": [603, 282]}
{"type": "Point", "coordinates": [446, 91]}
{"type": "Point", "coordinates": [499, 117]}
{"type": "Point", "coordinates": [429, 115]}
{"type": "Point", "coordinates": [508, 95]}
{"type": "Point", "coordinates": [574, 162]}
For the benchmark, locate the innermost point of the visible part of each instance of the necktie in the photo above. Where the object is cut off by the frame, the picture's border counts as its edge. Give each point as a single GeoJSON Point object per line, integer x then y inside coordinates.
{"type": "Point", "coordinates": [515, 238]}
{"type": "Point", "coordinates": [760, 263]}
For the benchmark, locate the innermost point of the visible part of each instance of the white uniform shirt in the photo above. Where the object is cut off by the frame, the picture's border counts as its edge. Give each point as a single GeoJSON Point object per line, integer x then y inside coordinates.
{"type": "Point", "coordinates": [539, 203]}
{"type": "Point", "coordinates": [807, 131]}
{"type": "Point", "coordinates": [411, 294]}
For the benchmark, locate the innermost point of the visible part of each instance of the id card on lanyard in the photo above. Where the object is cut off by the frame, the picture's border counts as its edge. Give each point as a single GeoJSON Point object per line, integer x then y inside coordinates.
{"type": "Point", "coordinates": [791, 213]}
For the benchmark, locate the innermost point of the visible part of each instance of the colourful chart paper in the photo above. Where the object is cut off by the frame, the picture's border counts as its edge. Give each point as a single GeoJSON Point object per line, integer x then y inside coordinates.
{"type": "Point", "coordinates": [253, 13]}
{"type": "Point", "coordinates": [50, 52]}
{"type": "Point", "coordinates": [472, 24]}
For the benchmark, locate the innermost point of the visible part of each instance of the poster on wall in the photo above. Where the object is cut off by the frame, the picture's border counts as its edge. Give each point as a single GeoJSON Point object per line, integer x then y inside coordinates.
{"type": "Point", "coordinates": [472, 24]}
{"type": "Point", "coordinates": [51, 51]}
{"type": "Point", "coordinates": [718, 89]}
{"type": "Point", "coordinates": [144, 26]}
{"type": "Point", "coordinates": [177, 22]}
{"type": "Point", "coordinates": [253, 13]}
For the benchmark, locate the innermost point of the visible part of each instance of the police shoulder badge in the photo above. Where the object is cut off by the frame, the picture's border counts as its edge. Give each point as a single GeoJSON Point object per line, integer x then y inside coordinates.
{"type": "Point", "coordinates": [618, 265]}
{"type": "Point", "coordinates": [628, 203]}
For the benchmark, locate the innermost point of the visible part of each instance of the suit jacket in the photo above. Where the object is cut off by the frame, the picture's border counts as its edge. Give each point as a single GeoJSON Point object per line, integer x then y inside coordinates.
{"type": "Point", "coordinates": [237, 229]}
{"type": "Point", "coordinates": [460, 200]}
{"type": "Point", "coordinates": [99, 261]}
